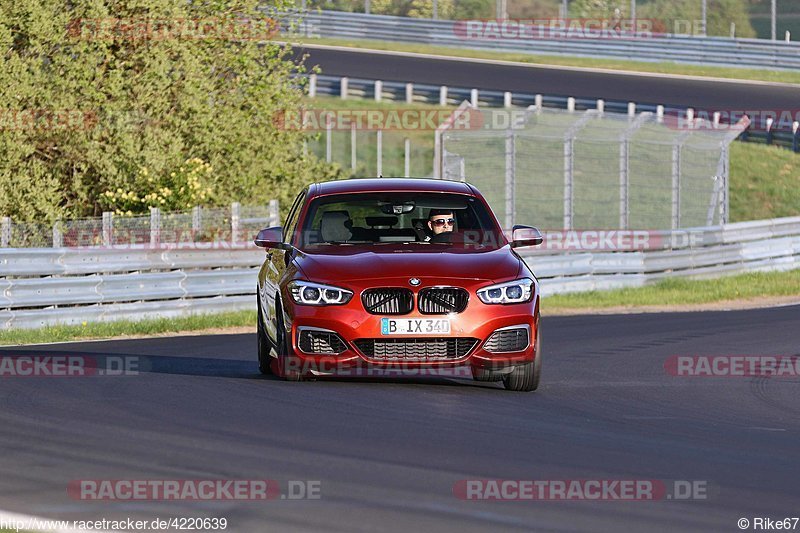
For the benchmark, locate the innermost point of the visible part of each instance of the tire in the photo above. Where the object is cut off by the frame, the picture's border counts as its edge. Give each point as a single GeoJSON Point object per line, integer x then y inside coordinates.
{"type": "Point", "coordinates": [525, 378]}
{"type": "Point", "coordinates": [263, 345]}
{"type": "Point", "coordinates": [285, 370]}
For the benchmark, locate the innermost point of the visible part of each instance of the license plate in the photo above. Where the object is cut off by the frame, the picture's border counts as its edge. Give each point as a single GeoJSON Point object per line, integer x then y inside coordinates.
{"type": "Point", "coordinates": [415, 326]}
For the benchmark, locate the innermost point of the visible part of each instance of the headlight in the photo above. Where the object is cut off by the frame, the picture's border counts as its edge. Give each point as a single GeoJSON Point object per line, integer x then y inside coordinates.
{"type": "Point", "coordinates": [307, 293]}
{"type": "Point", "coordinates": [510, 292]}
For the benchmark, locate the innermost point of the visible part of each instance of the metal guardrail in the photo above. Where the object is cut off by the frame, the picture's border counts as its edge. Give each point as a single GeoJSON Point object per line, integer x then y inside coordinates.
{"type": "Point", "coordinates": [446, 95]}
{"type": "Point", "coordinates": [751, 53]}
{"type": "Point", "coordinates": [50, 286]}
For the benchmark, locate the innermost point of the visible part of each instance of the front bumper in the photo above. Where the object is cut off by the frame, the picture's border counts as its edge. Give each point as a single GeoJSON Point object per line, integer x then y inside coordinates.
{"type": "Point", "coordinates": [351, 322]}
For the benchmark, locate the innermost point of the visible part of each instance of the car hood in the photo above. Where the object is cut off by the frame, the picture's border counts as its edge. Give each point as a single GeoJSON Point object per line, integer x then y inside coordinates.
{"type": "Point", "coordinates": [345, 263]}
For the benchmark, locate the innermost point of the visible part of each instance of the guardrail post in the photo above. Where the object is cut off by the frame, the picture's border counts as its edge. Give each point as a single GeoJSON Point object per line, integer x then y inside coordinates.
{"type": "Point", "coordinates": [443, 95]}
{"type": "Point", "coordinates": [58, 236]}
{"type": "Point", "coordinates": [155, 227]}
{"type": "Point", "coordinates": [379, 153]}
{"type": "Point", "coordinates": [506, 99]}
{"type": "Point", "coordinates": [570, 104]}
{"type": "Point", "coordinates": [795, 134]}
{"type": "Point", "coordinates": [601, 106]}
{"type": "Point", "coordinates": [235, 222]}
{"type": "Point", "coordinates": [510, 178]}
{"type": "Point", "coordinates": [770, 133]}
{"type": "Point", "coordinates": [631, 109]}
{"type": "Point", "coordinates": [407, 157]}
{"type": "Point", "coordinates": [312, 85]}
{"type": "Point", "coordinates": [5, 232]}
{"type": "Point", "coordinates": [788, 36]}
{"type": "Point", "coordinates": [108, 228]}
{"type": "Point", "coordinates": [274, 213]}
{"type": "Point", "coordinates": [409, 93]}
{"type": "Point", "coordinates": [378, 90]}
{"type": "Point", "coordinates": [537, 102]}
{"type": "Point", "coordinates": [660, 113]}
{"type": "Point", "coordinates": [473, 97]}
{"type": "Point", "coordinates": [343, 87]}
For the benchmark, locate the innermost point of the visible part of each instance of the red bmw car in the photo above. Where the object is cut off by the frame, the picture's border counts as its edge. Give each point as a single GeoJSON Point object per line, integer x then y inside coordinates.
{"type": "Point", "coordinates": [388, 273]}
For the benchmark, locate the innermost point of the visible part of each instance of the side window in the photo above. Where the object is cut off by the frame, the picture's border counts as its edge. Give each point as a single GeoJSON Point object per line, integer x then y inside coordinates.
{"type": "Point", "coordinates": [291, 219]}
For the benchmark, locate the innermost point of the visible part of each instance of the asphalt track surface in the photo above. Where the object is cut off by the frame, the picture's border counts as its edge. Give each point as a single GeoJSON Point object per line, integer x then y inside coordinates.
{"type": "Point", "coordinates": [388, 452]}
{"type": "Point", "coordinates": [709, 95]}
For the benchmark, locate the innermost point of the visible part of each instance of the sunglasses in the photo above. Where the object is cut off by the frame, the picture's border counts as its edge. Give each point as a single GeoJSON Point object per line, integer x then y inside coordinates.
{"type": "Point", "coordinates": [442, 221]}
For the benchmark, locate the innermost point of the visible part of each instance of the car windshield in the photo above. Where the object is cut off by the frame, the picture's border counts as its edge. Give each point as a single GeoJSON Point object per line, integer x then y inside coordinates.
{"type": "Point", "coordinates": [370, 219]}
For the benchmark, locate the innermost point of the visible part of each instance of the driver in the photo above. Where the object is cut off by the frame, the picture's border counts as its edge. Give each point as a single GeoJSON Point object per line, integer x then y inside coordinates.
{"type": "Point", "coordinates": [441, 221]}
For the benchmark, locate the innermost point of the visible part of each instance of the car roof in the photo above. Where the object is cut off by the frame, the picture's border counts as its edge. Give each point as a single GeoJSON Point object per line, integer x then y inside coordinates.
{"type": "Point", "coordinates": [358, 185]}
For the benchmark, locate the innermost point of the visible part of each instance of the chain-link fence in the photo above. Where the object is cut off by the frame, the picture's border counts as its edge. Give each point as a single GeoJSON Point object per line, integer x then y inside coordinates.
{"type": "Point", "coordinates": [235, 225]}
{"type": "Point", "coordinates": [593, 169]}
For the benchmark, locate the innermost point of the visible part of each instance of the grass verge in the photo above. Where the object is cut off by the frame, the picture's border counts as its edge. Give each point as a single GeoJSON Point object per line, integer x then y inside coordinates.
{"type": "Point", "coordinates": [120, 328]}
{"type": "Point", "coordinates": [679, 292]}
{"type": "Point", "coordinates": [614, 64]}
{"type": "Point", "coordinates": [667, 295]}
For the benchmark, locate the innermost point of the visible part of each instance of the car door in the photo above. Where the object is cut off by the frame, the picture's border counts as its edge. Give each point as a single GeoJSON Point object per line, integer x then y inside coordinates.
{"type": "Point", "coordinates": [275, 267]}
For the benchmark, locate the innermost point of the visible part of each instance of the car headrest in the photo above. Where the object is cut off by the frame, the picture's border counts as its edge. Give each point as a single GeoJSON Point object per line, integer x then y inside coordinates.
{"type": "Point", "coordinates": [334, 226]}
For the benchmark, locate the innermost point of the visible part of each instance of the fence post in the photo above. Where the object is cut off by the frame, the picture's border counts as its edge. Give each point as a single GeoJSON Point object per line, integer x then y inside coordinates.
{"type": "Point", "coordinates": [507, 99]}
{"type": "Point", "coordinates": [312, 85]}
{"type": "Point", "coordinates": [58, 236]}
{"type": "Point", "coordinates": [197, 221]}
{"type": "Point", "coordinates": [353, 138]}
{"type": "Point", "coordinates": [328, 140]}
{"type": "Point", "coordinates": [5, 232]}
{"type": "Point", "coordinates": [676, 185]}
{"type": "Point", "coordinates": [108, 228]}
{"type": "Point", "coordinates": [407, 157]}
{"type": "Point", "coordinates": [155, 227]}
{"type": "Point", "coordinates": [274, 213]}
{"type": "Point", "coordinates": [443, 95]}
{"type": "Point", "coordinates": [379, 154]}
{"type": "Point", "coordinates": [343, 87]}
{"type": "Point", "coordinates": [409, 93]}
{"type": "Point", "coordinates": [568, 180]}
{"type": "Point", "coordinates": [510, 179]}
{"type": "Point", "coordinates": [378, 90]}
{"type": "Point", "coordinates": [235, 222]}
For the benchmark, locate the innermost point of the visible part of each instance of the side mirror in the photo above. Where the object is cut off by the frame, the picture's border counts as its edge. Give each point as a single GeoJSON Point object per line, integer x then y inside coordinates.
{"type": "Point", "coordinates": [270, 238]}
{"type": "Point", "coordinates": [525, 236]}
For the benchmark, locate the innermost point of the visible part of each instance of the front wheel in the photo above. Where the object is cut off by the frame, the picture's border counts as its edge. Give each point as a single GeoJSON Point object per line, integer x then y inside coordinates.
{"type": "Point", "coordinates": [286, 362]}
{"type": "Point", "coordinates": [525, 378]}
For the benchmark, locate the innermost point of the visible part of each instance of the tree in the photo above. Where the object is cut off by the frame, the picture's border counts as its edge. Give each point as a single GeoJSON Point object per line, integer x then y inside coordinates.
{"type": "Point", "coordinates": [94, 91]}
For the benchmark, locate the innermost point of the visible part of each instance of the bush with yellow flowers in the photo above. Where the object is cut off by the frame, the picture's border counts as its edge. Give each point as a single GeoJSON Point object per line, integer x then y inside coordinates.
{"type": "Point", "coordinates": [179, 190]}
